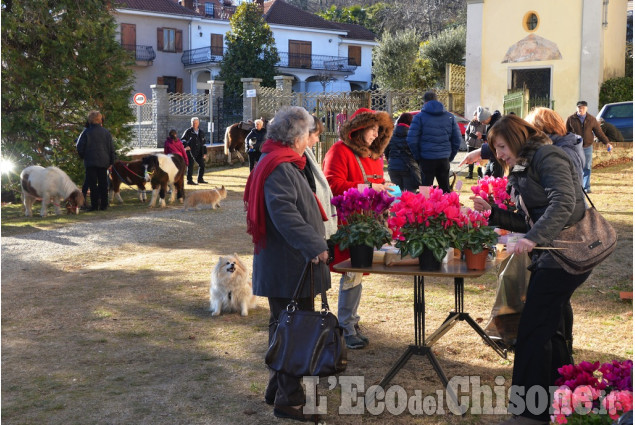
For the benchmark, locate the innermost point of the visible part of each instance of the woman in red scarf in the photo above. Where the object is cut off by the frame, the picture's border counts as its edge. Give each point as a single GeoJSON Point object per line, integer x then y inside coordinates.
{"type": "Point", "coordinates": [287, 228]}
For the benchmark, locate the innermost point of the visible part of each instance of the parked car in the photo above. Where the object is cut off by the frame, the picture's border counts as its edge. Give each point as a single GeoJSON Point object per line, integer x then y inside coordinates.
{"type": "Point", "coordinates": [619, 114]}
{"type": "Point", "coordinates": [462, 122]}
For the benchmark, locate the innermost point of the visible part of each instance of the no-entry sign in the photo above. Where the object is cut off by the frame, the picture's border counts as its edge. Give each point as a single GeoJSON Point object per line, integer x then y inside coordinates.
{"type": "Point", "coordinates": [139, 98]}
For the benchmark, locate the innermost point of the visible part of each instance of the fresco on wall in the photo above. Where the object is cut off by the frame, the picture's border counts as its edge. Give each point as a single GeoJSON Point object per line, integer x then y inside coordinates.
{"type": "Point", "coordinates": [532, 48]}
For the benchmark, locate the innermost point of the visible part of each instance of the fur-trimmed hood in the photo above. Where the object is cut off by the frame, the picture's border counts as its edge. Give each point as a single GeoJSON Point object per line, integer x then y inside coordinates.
{"type": "Point", "coordinates": [364, 118]}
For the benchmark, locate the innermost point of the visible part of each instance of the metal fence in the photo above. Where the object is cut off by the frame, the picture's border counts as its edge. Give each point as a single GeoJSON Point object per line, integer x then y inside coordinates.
{"type": "Point", "coordinates": [187, 104]}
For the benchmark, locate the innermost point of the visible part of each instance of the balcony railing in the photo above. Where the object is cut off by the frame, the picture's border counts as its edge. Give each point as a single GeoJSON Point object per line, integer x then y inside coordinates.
{"type": "Point", "coordinates": [199, 56]}
{"type": "Point", "coordinates": [287, 60]}
{"type": "Point", "coordinates": [142, 53]}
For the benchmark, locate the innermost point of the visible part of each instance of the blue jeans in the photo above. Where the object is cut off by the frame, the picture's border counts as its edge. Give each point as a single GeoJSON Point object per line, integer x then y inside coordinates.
{"type": "Point", "coordinates": [586, 168]}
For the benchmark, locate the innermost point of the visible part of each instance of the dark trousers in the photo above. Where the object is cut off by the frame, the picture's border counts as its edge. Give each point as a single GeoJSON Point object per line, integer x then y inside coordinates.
{"type": "Point", "coordinates": [254, 156]}
{"type": "Point", "coordinates": [190, 166]}
{"type": "Point", "coordinates": [541, 347]}
{"type": "Point", "coordinates": [283, 389]}
{"type": "Point", "coordinates": [436, 168]}
{"type": "Point", "coordinates": [97, 181]}
{"type": "Point", "coordinates": [405, 180]}
{"type": "Point", "coordinates": [471, 166]}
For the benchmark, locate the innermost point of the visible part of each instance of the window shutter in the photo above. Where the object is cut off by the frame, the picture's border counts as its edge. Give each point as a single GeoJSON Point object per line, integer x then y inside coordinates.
{"type": "Point", "coordinates": [178, 40]}
{"type": "Point", "coordinates": [160, 39]}
{"type": "Point", "coordinates": [160, 81]}
{"type": "Point", "coordinates": [179, 85]}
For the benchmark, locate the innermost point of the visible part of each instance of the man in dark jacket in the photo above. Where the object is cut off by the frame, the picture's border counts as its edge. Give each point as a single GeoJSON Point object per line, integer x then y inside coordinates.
{"type": "Point", "coordinates": [194, 142]}
{"type": "Point", "coordinates": [254, 141]}
{"type": "Point", "coordinates": [96, 148]}
{"type": "Point", "coordinates": [587, 126]}
{"type": "Point", "coordinates": [434, 139]}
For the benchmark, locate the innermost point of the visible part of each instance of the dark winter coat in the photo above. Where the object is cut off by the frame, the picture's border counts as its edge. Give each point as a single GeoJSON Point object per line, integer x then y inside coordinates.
{"type": "Point", "coordinates": [398, 153]}
{"type": "Point", "coordinates": [587, 130]}
{"type": "Point", "coordinates": [295, 235]}
{"type": "Point", "coordinates": [434, 133]}
{"type": "Point", "coordinates": [259, 135]}
{"type": "Point", "coordinates": [552, 192]}
{"type": "Point", "coordinates": [572, 145]}
{"type": "Point", "coordinates": [196, 142]}
{"type": "Point", "coordinates": [95, 147]}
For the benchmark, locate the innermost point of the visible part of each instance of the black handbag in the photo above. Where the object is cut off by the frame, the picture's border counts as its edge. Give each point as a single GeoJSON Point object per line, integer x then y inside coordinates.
{"type": "Point", "coordinates": [585, 244]}
{"type": "Point", "coordinates": [307, 343]}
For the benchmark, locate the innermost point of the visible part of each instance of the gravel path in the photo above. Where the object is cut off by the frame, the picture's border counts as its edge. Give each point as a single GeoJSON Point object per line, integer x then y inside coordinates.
{"type": "Point", "coordinates": [157, 226]}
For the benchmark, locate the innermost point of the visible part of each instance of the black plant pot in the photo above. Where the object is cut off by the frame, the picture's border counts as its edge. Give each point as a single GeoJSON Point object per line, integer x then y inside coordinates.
{"type": "Point", "coordinates": [361, 255]}
{"type": "Point", "coordinates": [428, 262]}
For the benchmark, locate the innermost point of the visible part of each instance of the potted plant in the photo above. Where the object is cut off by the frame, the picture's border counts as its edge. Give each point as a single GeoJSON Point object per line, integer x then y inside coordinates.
{"type": "Point", "coordinates": [476, 238]}
{"type": "Point", "coordinates": [593, 394]}
{"type": "Point", "coordinates": [362, 217]}
{"type": "Point", "coordinates": [494, 191]}
{"type": "Point", "coordinates": [426, 226]}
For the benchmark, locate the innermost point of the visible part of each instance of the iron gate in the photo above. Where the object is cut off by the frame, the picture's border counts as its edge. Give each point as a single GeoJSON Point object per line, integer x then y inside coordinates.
{"type": "Point", "coordinates": [230, 111]}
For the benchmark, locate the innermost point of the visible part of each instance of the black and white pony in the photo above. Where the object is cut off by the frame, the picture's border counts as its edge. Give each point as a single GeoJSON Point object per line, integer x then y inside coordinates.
{"type": "Point", "coordinates": [163, 171]}
{"type": "Point", "coordinates": [49, 185]}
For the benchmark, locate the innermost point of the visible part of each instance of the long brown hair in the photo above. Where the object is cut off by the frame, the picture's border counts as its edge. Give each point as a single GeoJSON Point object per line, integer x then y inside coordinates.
{"type": "Point", "coordinates": [516, 132]}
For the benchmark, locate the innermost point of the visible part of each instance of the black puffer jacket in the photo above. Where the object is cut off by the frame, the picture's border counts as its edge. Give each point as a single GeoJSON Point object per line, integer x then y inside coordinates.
{"type": "Point", "coordinates": [95, 147]}
{"type": "Point", "coordinates": [398, 152]}
{"type": "Point", "coordinates": [552, 192]}
{"type": "Point", "coordinates": [196, 142]}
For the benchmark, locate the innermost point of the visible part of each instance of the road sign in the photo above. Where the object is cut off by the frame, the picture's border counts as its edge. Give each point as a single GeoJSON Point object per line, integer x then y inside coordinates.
{"type": "Point", "coordinates": [139, 98]}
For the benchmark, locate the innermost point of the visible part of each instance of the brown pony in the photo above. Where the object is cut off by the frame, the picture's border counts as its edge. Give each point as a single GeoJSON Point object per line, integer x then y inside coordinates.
{"type": "Point", "coordinates": [235, 140]}
{"type": "Point", "coordinates": [131, 173]}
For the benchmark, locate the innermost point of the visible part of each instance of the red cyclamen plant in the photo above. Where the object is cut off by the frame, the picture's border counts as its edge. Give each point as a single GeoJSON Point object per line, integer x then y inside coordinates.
{"type": "Point", "coordinates": [494, 191]}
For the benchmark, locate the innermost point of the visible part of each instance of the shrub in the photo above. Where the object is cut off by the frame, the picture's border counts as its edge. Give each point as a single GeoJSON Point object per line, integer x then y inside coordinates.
{"type": "Point", "coordinates": [616, 90]}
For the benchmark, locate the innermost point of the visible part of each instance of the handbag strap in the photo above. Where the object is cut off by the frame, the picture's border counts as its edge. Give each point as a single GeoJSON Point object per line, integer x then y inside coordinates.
{"type": "Point", "coordinates": [364, 175]}
{"type": "Point", "coordinates": [296, 295]}
{"type": "Point", "coordinates": [524, 207]}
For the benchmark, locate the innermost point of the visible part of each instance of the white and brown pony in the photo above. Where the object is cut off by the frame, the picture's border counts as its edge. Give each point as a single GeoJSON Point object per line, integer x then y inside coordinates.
{"type": "Point", "coordinates": [49, 185]}
{"type": "Point", "coordinates": [131, 173]}
{"type": "Point", "coordinates": [163, 171]}
{"type": "Point", "coordinates": [234, 140]}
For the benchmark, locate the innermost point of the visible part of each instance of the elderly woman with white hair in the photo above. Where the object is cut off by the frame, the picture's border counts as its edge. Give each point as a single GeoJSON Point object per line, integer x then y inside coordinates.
{"type": "Point", "coordinates": [287, 229]}
{"type": "Point", "coordinates": [254, 141]}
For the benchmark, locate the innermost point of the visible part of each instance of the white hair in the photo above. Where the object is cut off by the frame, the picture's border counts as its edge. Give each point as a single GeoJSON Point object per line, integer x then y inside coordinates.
{"type": "Point", "coordinates": [194, 119]}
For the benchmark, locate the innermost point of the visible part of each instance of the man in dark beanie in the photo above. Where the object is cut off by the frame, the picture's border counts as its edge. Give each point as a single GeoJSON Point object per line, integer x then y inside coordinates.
{"type": "Point", "coordinates": [434, 139]}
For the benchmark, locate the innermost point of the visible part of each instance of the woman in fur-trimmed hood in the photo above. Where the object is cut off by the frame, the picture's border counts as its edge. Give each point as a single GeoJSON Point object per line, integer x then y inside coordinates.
{"type": "Point", "coordinates": [353, 160]}
{"type": "Point", "coordinates": [361, 119]}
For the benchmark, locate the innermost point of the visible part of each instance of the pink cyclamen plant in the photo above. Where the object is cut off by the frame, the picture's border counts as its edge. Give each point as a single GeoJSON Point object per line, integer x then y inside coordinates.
{"type": "Point", "coordinates": [593, 394]}
{"type": "Point", "coordinates": [494, 191]}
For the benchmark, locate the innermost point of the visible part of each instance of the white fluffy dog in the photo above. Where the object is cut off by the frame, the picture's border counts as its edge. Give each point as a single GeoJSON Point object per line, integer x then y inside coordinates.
{"type": "Point", "coordinates": [230, 289]}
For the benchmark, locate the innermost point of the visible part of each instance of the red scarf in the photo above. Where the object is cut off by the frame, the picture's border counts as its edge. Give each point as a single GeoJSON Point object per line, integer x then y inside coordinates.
{"type": "Point", "coordinates": [254, 196]}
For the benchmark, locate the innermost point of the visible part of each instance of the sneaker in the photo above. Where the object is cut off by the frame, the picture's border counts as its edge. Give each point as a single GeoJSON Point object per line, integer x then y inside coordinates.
{"type": "Point", "coordinates": [354, 342]}
{"type": "Point", "coordinates": [361, 335]}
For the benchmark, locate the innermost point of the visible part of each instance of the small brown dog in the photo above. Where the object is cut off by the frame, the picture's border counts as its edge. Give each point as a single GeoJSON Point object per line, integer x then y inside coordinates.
{"type": "Point", "coordinates": [230, 288]}
{"type": "Point", "coordinates": [205, 199]}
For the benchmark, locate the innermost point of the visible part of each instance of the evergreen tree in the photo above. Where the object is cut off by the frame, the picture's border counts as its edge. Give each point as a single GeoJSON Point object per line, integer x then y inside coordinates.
{"type": "Point", "coordinates": [251, 51]}
{"type": "Point", "coordinates": [447, 47]}
{"type": "Point", "coordinates": [60, 59]}
{"type": "Point", "coordinates": [397, 65]}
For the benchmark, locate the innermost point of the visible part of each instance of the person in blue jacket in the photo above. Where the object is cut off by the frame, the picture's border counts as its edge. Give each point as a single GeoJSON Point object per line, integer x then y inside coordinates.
{"type": "Point", "coordinates": [434, 139]}
{"type": "Point", "coordinates": [402, 167]}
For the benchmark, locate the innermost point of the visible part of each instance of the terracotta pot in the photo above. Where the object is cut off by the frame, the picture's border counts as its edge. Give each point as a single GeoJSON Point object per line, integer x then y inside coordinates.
{"type": "Point", "coordinates": [475, 261]}
{"type": "Point", "coordinates": [428, 262]}
{"type": "Point", "coordinates": [361, 255]}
